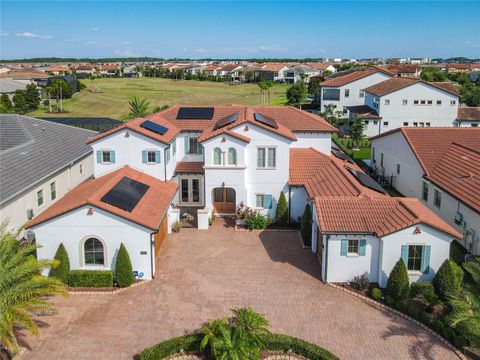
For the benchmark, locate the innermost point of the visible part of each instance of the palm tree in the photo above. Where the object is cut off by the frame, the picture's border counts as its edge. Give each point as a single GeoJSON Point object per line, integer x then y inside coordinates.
{"type": "Point", "coordinates": [251, 328]}
{"type": "Point", "coordinates": [23, 291]}
{"type": "Point", "coordinates": [138, 107]}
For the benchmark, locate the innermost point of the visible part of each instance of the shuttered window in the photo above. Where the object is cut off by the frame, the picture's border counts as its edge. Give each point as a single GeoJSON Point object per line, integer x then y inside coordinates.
{"type": "Point", "coordinates": [217, 156]}
{"type": "Point", "coordinates": [270, 161]}
{"type": "Point", "coordinates": [232, 156]}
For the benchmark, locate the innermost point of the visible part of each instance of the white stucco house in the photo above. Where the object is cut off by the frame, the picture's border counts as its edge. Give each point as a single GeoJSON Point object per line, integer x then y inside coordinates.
{"type": "Point", "coordinates": [438, 166]}
{"type": "Point", "coordinates": [347, 89]}
{"type": "Point", "coordinates": [468, 117]}
{"type": "Point", "coordinates": [402, 101]}
{"type": "Point", "coordinates": [208, 160]}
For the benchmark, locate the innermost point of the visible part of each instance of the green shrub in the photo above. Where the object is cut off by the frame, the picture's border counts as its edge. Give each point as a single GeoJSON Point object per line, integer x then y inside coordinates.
{"type": "Point", "coordinates": [448, 280]}
{"type": "Point", "coordinates": [413, 312]}
{"type": "Point", "coordinates": [177, 225]}
{"type": "Point", "coordinates": [360, 282]}
{"type": "Point", "coordinates": [306, 226]}
{"type": "Point", "coordinates": [448, 333]}
{"type": "Point", "coordinates": [90, 278]}
{"type": "Point", "coordinates": [470, 330]}
{"type": "Point", "coordinates": [460, 341]}
{"type": "Point", "coordinates": [123, 268]}
{"type": "Point", "coordinates": [172, 346]}
{"type": "Point", "coordinates": [389, 300]}
{"type": "Point", "coordinates": [418, 289]}
{"type": "Point", "coordinates": [424, 317]}
{"type": "Point", "coordinates": [376, 294]}
{"type": "Point", "coordinates": [256, 221]}
{"type": "Point", "coordinates": [438, 326]}
{"type": "Point", "coordinates": [281, 216]}
{"type": "Point", "coordinates": [400, 305]}
{"type": "Point", "coordinates": [278, 342]}
{"type": "Point", "coordinates": [61, 271]}
{"type": "Point", "coordinates": [397, 283]}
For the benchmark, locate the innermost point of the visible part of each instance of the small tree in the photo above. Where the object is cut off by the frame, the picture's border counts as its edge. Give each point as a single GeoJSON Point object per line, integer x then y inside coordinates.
{"type": "Point", "coordinates": [282, 210]}
{"type": "Point", "coordinates": [357, 128]}
{"type": "Point", "coordinates": [138, 107]}
{"type": "Point", "coordinates": [397, 283]}
{"type": "Point", "coordinates": [123, 268]}
{"type": "Point", "coordinates": [5, 102]}
{"type": "Point", "coordinates": [20, 102]}
{"type": "Point", "coordinates": [32, 97]}
{"type": "Point", "coordinates": [448, 280]}
{"type": "Point", "coordinates": [306, 225]}
{"type": "Point", "coordinates": [61, 271]}
{"type": "Point", "coordinates": [296, 93]}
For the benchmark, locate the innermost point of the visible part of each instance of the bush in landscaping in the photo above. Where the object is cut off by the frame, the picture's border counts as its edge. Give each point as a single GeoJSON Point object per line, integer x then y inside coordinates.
{"type": "Point", "coordinates": [438, 326]}
{"type": "Point", "coordinates": [460, 341]}
{"type": "Point", "coordinates": [90, 278]}
{"type": "Point", "coordinates": [424, 290]}
{"type": "Point", "coordinates": [448, 280]}
{"type": "Point", "coordinates": [306, 225]}
{"type": "Point", "coordinates": [177, 225]}
{"type": "Point", "coordinates": [360, 282]}
{"type": "Point", "coordinates": [376, 294]}
{"type": "Point", "coordinates": [256, 221]}
{"type": "Point", "coordinates": [172, 346]}
{"type": "Point", "coordinates": [400, 305]}
{"type": "Point", "coordinates": [61, 271]}
{"type": "Point", "coordinates": [389, 300]}
{"type": "Point", "coordinates": [278, 342]}
{"type": "Point", "coordinates": [123, 268]}
{"type": "Point", "coordinates": [281, 217]}
{"type": "Point", "coordinates": [397, 283]}
{"type": "Point", "coordinates": [470, 330]}
{"type": "Point", "coordinates": [413, 312]}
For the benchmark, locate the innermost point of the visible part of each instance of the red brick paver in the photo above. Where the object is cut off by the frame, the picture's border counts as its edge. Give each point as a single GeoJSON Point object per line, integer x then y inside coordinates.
{"type": "Point", "coordinates": [203, 274]}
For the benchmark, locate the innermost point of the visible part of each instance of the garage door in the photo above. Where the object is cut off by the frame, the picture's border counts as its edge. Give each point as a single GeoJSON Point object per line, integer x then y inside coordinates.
{"type": "Point", "coordinates": [161, 234]}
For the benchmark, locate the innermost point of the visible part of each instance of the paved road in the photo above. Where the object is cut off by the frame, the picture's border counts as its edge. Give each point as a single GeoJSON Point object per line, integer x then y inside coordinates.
{"type": "Point", "coordinates": [203, 274]}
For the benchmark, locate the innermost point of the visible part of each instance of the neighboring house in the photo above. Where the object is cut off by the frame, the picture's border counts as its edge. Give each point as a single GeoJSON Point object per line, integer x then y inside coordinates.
{"type": "Point", "coordinates": [271, 71]}
{"type": "Point", "coordinates": [131, 71]}
{"type": "Point", "coordinates": [195, 69]}
{"type": "Point", "coordinates": [110, 70]}
{"type": "Point", "coordinates": [212, 70]}
{"type": "Point", "coordinates": [232, 71]}
{"type": "Point", "coordinates": [30, 75]}
{"type": "Point", "coordinates": [58, 70]}
{"type": "Point", "coordinates": [4, 69]}
{"type": "Point", "coordinates": [295, 73]}
{"type": "Point", "coordinates": [347, 89]}
{"type": "Point", "coordinates": [95, 124]}
{"type": "Point", "coordinates": [322, 67]}
{"type": "Point", "coordinates": [84, 71]}
{"type": "Point", "coordinates": [475, 67]}
{"type": "Point", "coordinates": [400, 101]}
{"type": "Point", "coordinates": [439, 166]}
{"type": "Point", "coordinates": [457, 68]}
{"type": "Point", "coordinates": [40, 162]}
{"type": "Point", "coordinates": [468, 117]}
{"type": "Point", "coordinates": [404, 70]}
{"type": "Point", "coordinates": [9, 86]}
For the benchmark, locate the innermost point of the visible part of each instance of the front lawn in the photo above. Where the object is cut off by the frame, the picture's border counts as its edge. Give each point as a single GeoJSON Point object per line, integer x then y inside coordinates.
{"type": "Point", "coordinates": [362, 150]}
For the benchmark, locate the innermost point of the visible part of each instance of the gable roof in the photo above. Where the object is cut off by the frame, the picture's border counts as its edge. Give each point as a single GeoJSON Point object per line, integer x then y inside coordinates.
{"type": "Point", "coordinates": [379, 216]}
{"type": "Point", "coordinates": [34, 149]}
{"type": "Point", "coordinates": [396, 83]}
{"type": "Point", "coordinates": [364, 111]}
{"type": "Point", "coordinates": [148, 212]}
{"type": "Point", "coordinates": [340, 80]}
{"type": "Point", "coordinates": [468, 114]}
{"type": "Point", "coordinates": [272, 67]}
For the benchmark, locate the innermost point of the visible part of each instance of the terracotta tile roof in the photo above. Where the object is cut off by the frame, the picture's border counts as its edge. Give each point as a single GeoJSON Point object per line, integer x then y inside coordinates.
{"type": "Point", "coordinates": [400, 68]}
{"type": "Point", "coordinates": [273, 67]}
{"type": "Point", "coordinates": [379, 216]}
{"type": "Point", "coordinates": [135, 126]}
{"type": "Point", "coordinates": [58, 68]}
{"type": "Point", "coordinates": [364, 111]}
{"type": "Point", "coordinates": [212, 67]}
{"type": "Point", "coordinates": [468, 114]}
{"type": "Point", "coordinates": [25, 74]}
{"type": "Point", "coordinates": [109, 67]}
{"type": "Point", "coordinates": [229, 67]}
{"type": "Point", "coordinates": [148, 212]}
{"type": "Point", "coordinates": [341, 80]}
{"type": "Point", "coordinates": [397, 83]}
{"type": "Point", "coordinates": [320, 66]}
{"type": "Point", "coordinates": [458, 173]}
{"type": "Point", "coordinates": [458, 66]}
{"type": "Point", "coordinates": [189, 167]}
{"type": "Point", "coordinates": [84, 67]}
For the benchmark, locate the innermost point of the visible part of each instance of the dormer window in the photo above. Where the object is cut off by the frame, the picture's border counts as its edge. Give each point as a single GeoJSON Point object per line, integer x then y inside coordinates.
{"type": "Point", "coordinates": [232, 156]}
{"type": "Point", "coordinates": [217, 156]}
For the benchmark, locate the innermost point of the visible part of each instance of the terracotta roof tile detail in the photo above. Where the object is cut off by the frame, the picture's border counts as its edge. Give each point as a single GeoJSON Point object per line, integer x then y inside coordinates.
{"type": "Point", "coordinates": [468, 114]}
{"type": "Point", "coordinates": [364, 111]}
{"type": "Point", "coordinates": [148, 212]}
{"type": "Point", "coordinates": [190, 167]}
{"type": "Point", "coordinates": [341, 80]}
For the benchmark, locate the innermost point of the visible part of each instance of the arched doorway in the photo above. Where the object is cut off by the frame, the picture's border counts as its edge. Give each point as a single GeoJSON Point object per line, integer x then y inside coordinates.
{"type": "Point", "coordinates": [224, 200]}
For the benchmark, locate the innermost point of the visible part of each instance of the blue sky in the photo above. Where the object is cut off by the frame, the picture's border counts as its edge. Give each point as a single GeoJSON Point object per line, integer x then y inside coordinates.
{"type": "Point", "coordinates": [351, 29]}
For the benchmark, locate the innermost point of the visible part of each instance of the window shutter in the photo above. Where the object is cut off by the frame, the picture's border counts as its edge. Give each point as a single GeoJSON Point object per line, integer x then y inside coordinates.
{"type": "Point", "coordinates": [271, 157]}
{"type": "Point", "coordinates": [157, 157]}
{"type": "Point", "coordinates": [199, 149]}
{"type": "Point", "coordinates": [187, 145]}
{"type": "Point", "coordinates": [405, 254]}
{"type": "Point", "coordinates": [267, 201]}
{"type": "Point", "coordinates": [344, 247]}
{"type": "Point", "coordinates": [144, 156]}
{"type": "Point", "coordinates": [99, 156]}
{"type": "Point", "coordinates": [426, 259]}
{"type": "Point", "coordinates": [112, 156]}
{"type": "Point", "coordinates": [362, 247]}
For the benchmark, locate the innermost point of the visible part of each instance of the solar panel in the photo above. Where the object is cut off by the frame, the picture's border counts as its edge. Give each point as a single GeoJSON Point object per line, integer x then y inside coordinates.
{"type": "Point", "coordinates": [125, 194]}
{"type": "Point", "coordinates": [226, 121]}
{"type": "Point", "coordinates": [367, 181]}
{"type": "Point", "coordinates": [197, 113]}
{"type": "Point", "coordinates": [265, 120]}
{"type": "Point", "coordinates": [341, 155]}
{"type": "Point", "coordinates": [158, 129]}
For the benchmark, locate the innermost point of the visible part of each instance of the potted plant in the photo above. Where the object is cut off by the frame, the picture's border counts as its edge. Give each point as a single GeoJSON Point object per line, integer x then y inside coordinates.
{"type": "Point", "coordinates": [241, 213]}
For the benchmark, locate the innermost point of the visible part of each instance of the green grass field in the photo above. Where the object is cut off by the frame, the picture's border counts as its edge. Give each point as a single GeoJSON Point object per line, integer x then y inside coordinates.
{"type": "Point", "coordinates": [109, 97]}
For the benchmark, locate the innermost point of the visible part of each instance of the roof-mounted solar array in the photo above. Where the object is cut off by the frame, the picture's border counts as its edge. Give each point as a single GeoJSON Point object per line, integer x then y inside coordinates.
{"type": "Point", "coordinates": [125, 194]}
{"type": "Point", "coordinates": [265, 120]}
{"type": "Point", "coordinates": [341, 155]}
{"type": "Point", "coordinates": [367, 181]}
{"type": "Point", "coordinates": [197, 113]}
{"type": "Point", "coordinates": [226, 121]}
{"type": "Point", "coordinates": [158, 129]}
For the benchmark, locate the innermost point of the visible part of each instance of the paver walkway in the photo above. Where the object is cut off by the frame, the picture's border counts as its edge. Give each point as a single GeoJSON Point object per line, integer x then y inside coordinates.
{"type": "Point", "coordinates": [203, 274]}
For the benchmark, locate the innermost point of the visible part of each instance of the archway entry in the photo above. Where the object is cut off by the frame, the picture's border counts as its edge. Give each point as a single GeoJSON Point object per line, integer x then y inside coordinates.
{"type": "Point", "coordinates": [224, 200]}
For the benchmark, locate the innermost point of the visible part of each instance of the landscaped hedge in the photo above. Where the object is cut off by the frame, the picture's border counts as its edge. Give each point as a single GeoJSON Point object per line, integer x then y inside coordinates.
{"type": "Point", "coordinates": [274, 342]}
{"type": "Point", "coordinates": [90, 278]}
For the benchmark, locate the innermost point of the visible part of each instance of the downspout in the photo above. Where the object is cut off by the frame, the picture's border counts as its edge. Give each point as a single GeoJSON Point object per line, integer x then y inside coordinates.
{"type": "Point", "coordinates": [165, 163]}
{"type": "Point", "coordinates": [289, 202]}
{"type": "Point", "coordinates": [152, 253]}
{"type": "Point", "coordinates": [327, 237]}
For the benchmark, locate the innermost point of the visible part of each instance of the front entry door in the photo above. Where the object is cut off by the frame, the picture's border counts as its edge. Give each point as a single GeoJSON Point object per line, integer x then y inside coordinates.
{"type": "Point", "coordinates": [224, 200]}
{"type": "Point", "coordinates": [190, 191]}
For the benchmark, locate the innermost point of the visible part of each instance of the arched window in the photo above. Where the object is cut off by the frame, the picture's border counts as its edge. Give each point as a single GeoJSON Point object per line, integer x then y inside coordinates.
{"type": "Point", "coordinates": [232, 156]}
{"type": "Point", "coordinates": [217, 156]}
{"type": "Point", "coordinates": [94, 253]}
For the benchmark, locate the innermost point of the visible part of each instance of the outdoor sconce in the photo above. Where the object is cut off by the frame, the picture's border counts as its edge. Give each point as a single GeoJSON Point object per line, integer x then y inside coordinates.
{"type": "Point", "coordinates": [246, 128]}
{"type": "Point", "coordinates": [417, 231]}
{"type": "Point", "coordinates": [127, 134]}
{"type": "Point", "coordinates": [90, 211]}
{"type": "Point", "coordinates": [224, 139]}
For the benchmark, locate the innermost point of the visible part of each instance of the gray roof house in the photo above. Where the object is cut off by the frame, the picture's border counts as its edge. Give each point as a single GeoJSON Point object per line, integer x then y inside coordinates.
{"type": "Point", "coordinates": [40, 161]}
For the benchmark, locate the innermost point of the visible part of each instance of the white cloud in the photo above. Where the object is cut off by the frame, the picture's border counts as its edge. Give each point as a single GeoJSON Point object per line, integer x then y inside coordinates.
{"type": "Point", "coordinates": [71, 40]}
{"type": "Point", "coordinates": [201, 50]}
{"type": "Point", "coordinates": [29, 34]}
{"type": "Point", "coordinates": [185, 49]}
{"type": "Point", "coordinates": [126, 43]}
{"type": "Point", "coordinates": [126, 53]}
{"type": "Point", "coordinates": [272, 48]}
{"type": "Point", "coordinates": [94, 28]}
{"type": "Point", "coordinates": [3, 33]}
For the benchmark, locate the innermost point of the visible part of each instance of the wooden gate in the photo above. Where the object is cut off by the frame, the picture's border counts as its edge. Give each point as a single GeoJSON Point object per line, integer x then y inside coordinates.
{"type": "Point", "coordinates": [161, 234]}
{"type": "Point", "coordinates": [224, 200]}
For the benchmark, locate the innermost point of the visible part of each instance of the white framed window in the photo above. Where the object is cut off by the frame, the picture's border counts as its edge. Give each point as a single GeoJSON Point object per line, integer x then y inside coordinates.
{"type": "Point", "coordinates": [40, 197]}
{"type": "Point", "coordinates": [381, 159]}
{"type": "Point", "coordinates": [404, 102]}
{"type": "Point", "coordinates": [437, 198]}
{"type": "Point", "coordinates": [174, 147]}
{"type": "Point", "coordinates": [427, 124]}
{"type": "Point", "coordinates": [405, 123]}
{"type": "Point", "coordinates": [263, 201]}
{"type": "Point", "coordinates": [93, 252]}
{"type": "Point", "coordinates": [266, 157]}
{"type": "Point", "coordinates": [106, 157]}
{"type": "Point", "coordinates": [429, 102]}
{"type": "Point", "coordinates": [415, 124]}
{"type": "Point", "coordinates": [385, 123]}
{"type": "Point", "coordinates": [345, 110]}
{"type": "Point", "coordinates": [453, 102]}
{"type": "Point", "coordinates": [398, 169]}
{"type": "Point", "coordinates": [217, 156]}
{"type": "Point", "coordinates": [347, 93]}
{"type": "Point", "coordinates": [353, 246]}
{"type": "Point", "coordinates": [232, 156]}
{"type": "Point", "coordinates": [259, 200]}
{"type": "Point", "coordinates": [151, 157]}
{"type": "Point", "coordinates": [375, 122]}
{"type": "Point", "coordinates": [425, 191]}
{"type": "Point", "coordinates": [81, 168]}
{"type": "Point", "coordinates": [167, 155]}
{"type": "Point", "coordinates": [361, 94]}
{"type": "Point", "coordinates": [439, 102]}
{"type": "Point", "coordinates": [414, 260]}
{"type": "Point", "coordinates": [387, 102]}
{"type": "Point", "coordinates": [415, 102]}
{"type": "Point", "coordinates": [53, 191]}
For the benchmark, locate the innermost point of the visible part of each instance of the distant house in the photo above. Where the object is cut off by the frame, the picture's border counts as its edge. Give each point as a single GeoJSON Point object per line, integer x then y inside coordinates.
{"type": "Point", "coordinates": [51, 158]}
{"type": "Point", "coordinates": [347, 89]}
{"type": "Point", "coordinates": [84, 71]}
{"type": "Point", "coordinates": [110, 70]}
{"type": "Point", "coordinates": [404, 70]}
{"type": "Point", "coordinates": [195, 69]}
{"type": "Point", "coordinates": [131, 71]}
{"type": "Point", "coordinates": [230, 70]}
{"type": "Point", "coordinates": [295, 73]}
{"type": "Point", "coordinates": [271, 71]}
{"type": "Point", "coordinates": [4, 69]}
{"type": "Point", "coordinates": [322, 67]}
{"type": "Point", "coordinates": [468, 117]}
{"type": "Point", "coordinates": [457, 68]}
{"type": "Point", "coordinates": [212, 70]}
{"type": "Point", "coordinates": [9, 86]}
{"type": "Point", "coordinates": [58, 70]}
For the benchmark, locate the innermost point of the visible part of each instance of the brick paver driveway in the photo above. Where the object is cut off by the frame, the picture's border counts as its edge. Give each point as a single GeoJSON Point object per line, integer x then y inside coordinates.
{"type": "Point", "coordinates": [201, 275]}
